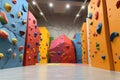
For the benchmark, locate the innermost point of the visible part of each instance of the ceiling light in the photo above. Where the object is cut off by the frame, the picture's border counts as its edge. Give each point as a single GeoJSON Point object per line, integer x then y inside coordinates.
{"type": "Point", "coordinates": [51, 5]}
{"type": "Point", "coordinates": [34, 3]}
{"type": "Point", "coordinates": [83, 7]}
{"type": "Point", "coordinates": [67, 6]}
{"type": "Point", "coordinates": [77, 15]}
{"type": "Point", "coordinates": [41, 13]}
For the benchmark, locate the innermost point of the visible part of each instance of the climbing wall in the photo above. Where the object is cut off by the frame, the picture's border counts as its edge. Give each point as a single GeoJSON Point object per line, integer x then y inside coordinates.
{"type": "Point", "coordinates": [44, 44]}
{"type": "Point", "coordinates": [62, 50]}
{"type": "Point", "coordinates": [32, 41]}
{"type": "Point", "coordinates": [113, 9]}
{"type": "Point", "coordinates": [84, 44]}
{"type": "Point", "coordinates": [100, 51]}
{"type": "Point", "coordinates": [13, 17]}
{"type": "Point", "coordinates": [78, 47]}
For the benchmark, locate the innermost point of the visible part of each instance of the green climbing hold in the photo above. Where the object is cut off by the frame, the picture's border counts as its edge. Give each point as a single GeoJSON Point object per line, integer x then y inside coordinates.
{"type": "Point", "coordinates": [21, 57]}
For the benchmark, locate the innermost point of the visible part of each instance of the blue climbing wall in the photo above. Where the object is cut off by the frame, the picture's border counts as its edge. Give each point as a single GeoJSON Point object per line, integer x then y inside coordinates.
{"type": "Point", "coordinates": [78, 47]}
{"type": "Point", "coordinates": [12, 48]}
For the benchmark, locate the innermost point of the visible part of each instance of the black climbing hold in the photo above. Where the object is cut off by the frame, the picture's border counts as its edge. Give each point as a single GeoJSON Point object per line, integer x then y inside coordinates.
{"type": "Point", "coordinates": [37, 43]}
{"type": "Point", "coordinates": [119, 57]}
{"type": "Point", "coordinates": [99, 28]}
{"type": "Point", "coordinates": [90, 16]}
{"type": "Point", "coordinates": [28, 45]}
{"type": "Point", "coordinates": [118, 4]}
{"type": "Point", "coordinates": [35, 34]}
{"type": "Point", "coordinates": [12, 15]}
{"type": "Point", "coordinates": [24, 8]}
{"type": "Point", "coordinates": [93, 55]}
{"type": "Point", "coordinates": [24, 22]}
{"type": "Point", "coordinates": [13, 25]}
{"type": "Point", "coordinates": [40, 39]}
{"type": "Point", "coordinates": [91, 23]}
{"type": "Point", "coordinates": [114, 35]}
{"type": "Point", "coordinates": [103, 57]}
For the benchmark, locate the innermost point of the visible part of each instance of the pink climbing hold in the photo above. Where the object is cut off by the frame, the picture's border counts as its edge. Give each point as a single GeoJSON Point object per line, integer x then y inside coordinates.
{"type": "Point", "coordinates": [14, 1]}
{"type": "Point", "coordinates": [118, 4]}
{"type": "Point", "coordinates": [96, 15]}
{"type": "Point", "coordinates": [3, 18]}
{"type": "Point", "coordinates": [98, 3]}
{"type": "Point", "coordinates": [3, 34]}
{"type": "Point", "coordinates": [20, 48]}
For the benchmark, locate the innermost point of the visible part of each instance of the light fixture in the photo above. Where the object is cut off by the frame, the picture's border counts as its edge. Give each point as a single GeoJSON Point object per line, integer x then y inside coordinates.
{"type": "Point", "coordinates": [34, 3]}
{"type": "Point", "coordinates": [41, 13]}
{"type": "Point", "coordinates": [83, 7]}
{"type": "Point", "coordinates": [67, 6]}
{"type": "Point", "coordinates": [50, 4]}
{"type": "Point", "coordinates": [77, 15]}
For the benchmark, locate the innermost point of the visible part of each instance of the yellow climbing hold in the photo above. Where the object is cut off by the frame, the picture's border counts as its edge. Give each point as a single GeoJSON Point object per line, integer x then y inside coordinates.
{"type": "Point", "coordinates": [1, 55]}
{"type": "Point", "coordinates": [14, 41]}
{"type": "Point", "coordinates": [19, 14]}
{"type": "Point", "coordinates": [8, 7]}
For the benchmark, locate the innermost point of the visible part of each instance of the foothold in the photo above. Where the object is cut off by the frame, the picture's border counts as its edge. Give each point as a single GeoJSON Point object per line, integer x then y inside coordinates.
{"type": "Point", "coordinates": [97, 46]}
{"type": "Point", "coordinates": [1, 55]}
{"type": "Point", "coordinates": [98, 3]}
{"type": "Point", "coordinates": [24, 22]}
{"type": "Point", "coordinates": [118, 4]}
{"type": "Point", "coordinates": [113, 36]}
{"type": "Point", "coordinates": [99, 28]}
{"type": "Point", "coordinates": [96, 15]}
{"type": "Point", "coordinates": [14, 1]}
{"type": "Point", "coordinates": [22, 33]}
{"type": "Point", "coordinates": [19, 14]}
{"type": "Point", "coordinates": [8, 7]}
{"type": "Point", "coordinates": [9, 50]}
{"type": "Point", "coordinates": [14, 41]}
{"type": "Point", "coordinates": [3, 34]}
{"type": "Point", "coordinates": [3, 18]}
{"type": "Point", "coordinates": [91, 23]}
{"type": "Point", "coordinates": [21, 57]}
{"type": "Point", "coordinates": [90, 16]}
{"type": "Point", "coordinates": [35, 34]}
{"type": "Point", "coordinates": [24, 7]}
{"type": "Point", "coordinates": [12, 15]}
{"type": "Point", "coordinates": [103, 57]}
{"type": "Point", "coordinates": [20, 48]}
{"type": "Point", "coordinates": [13, 25]}
{"type": "Point", "coordinates": [14, 55]}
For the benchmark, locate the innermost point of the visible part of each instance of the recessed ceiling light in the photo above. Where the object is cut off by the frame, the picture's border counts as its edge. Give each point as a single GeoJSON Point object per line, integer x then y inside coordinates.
{"type": "Point", "coordinates": [83, 7]}
{"type": "Point", "coordinates": [77, 15]}
{"type": "Point", "coordinates": [41, 13]}
{"type": "Point", "coordinates": [50, 4]}
{"type": "Point", "coordinates": [67, 6]}
{"type": "Point", "coordinates": [34, 3]}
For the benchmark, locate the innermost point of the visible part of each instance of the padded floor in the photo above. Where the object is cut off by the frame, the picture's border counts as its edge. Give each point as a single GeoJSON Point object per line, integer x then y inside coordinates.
{"type": "Point", "coordinates": [58, 72]}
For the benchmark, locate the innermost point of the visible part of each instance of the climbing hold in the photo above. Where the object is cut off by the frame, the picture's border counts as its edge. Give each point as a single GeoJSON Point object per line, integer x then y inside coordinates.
{"type": "Point", "coordinates": [35, 34]}
{"type": "Point", "coordinates": [14, 55]}
{"type": "Point", "coordinates": [78, 42]}
{"type": "Point", "coordinates": [1, 55]}
{"type": "Point", "coordinates": [29, 57]}
{"type": "Point", "coordinates": [103, 57]}
{"type": "Point", "coordinates": [19, 14]}
{"type": "Point", "coordinates": [35, 26]}
{"type": "Point", "coordinates": [98, 3]}
{"type": "Point", "coordinates": [24, 7]}
{"type": "Point", "coordinates": [22, 33]}
{"type": "Point", "coordinates": [59, 52]}
{"type": "Point", "coordinates": [93, 55]}
{"type": "Point", "coordinates": [67, 47]}
{"type": "Point", "coordinates": [24, 22]}
{"type": "Point", "coordinates": [95, 52]}
{"type": "Point", "coordinates": [9, 50]}
{"type": "Point", "coordinates": [43, 57]}
{"type": "Point", "coordinates": [12, 15]}
{"type": "Point", "coordinates": [99, 28]}
{"type": "Point", "coordinates": [28, 45]}
{"type": "Point", "coordinates": [119, 57]}
{"type": "Point", "coordinates": [118, 4]}
{"type": "Point", "coordinates": [20, 48]}
{"type": "Point", "coordinates": [3, 18]}
{"type": "Point", "coordinates": [3, 34]}
{"type": "Point", "coordinates": [97, 46]}
{"type": "Point", "coordinates": [8, 7]}
{"type": "Point", "coordinates": [84, 52]}
{"type": "Point", "coordinates": [91, 23]}
{"type": "Point", "coordinates": [14, 1]}
{"type": "Point", "coordinates": [13, 25]}
{"type": "Point", "coordinates": [90, 16]}
{"type": "Point", "coordinates": [114, 35]}
{"type": "Point", "coordinates": [34, 21]}
{"type": "Point", "coordinates": [96, 15]}
{"type": "Point", "coordinates": [37, 44]}
{"type": "Point", "coordinates": [21, 57]}
{"type": "Point", "coordinates": [14, 41]}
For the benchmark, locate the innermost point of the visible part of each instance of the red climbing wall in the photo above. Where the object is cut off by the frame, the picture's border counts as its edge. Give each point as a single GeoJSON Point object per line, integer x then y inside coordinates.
{"type": "Point", "coordinates": [113, 9]}
{"type": "Point", "coordinates": [100, 51]}
{"type": "Point", "coordinates": [32, 41]}
{"type": "Point", "coordinates": [62, 50]}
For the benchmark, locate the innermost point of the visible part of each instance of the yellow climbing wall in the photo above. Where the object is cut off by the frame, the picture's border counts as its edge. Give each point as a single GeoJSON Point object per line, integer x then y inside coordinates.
{"type": "Point", "coordinates": [113, 9]}
{"type": "Point", "coordinates": [44, 44]}
{"type": "Point", "coordinates": [100, 50]}
{"type": "Point", "coordinates": [84, 44]}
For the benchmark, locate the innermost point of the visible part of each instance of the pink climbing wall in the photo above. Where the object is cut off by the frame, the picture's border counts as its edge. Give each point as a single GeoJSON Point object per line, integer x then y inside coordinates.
{"type": "Point", "coordinates": [32, 41]}
{"type": "Point", "coordinates": [62, 50]}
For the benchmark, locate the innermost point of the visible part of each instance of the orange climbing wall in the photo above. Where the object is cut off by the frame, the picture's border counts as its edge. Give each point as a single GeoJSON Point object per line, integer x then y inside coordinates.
{"type": "Point", "coordinates": [113, 9]}
{"type": "Point", "coordinates": [84, 44]}
{"type": "Point", "coordinates": [100, 52]}
{"type": "Point", "coordinates": [32, 41]}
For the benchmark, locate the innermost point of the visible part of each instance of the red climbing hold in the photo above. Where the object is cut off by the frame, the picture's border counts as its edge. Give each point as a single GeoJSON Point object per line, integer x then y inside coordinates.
{"type": "Point", "coordinates": [96, 15]}
{"type": "Point", "coordinates": [20, 48]}
{"type": "Point", "coordinates": [14, 1]}
{"type": "Point", "coordinates": [3, 34]}
{"type": "Point", "coordinates": [118, 4]}
{"type": "Point", "coordinates": [98, 3]}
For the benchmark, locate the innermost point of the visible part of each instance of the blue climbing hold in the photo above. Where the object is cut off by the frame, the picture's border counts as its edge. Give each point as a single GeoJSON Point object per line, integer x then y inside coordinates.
{"type": "Point", "coordinates": [35, 34]}
{"type": "Point", "coordinates": [59, 52]}
{"type": "Point", "coordinates": [99, 28]}
{"type": "Point", "coordinates": [113, 36]}
{"type": "Point", "coordinates": [90, 16]}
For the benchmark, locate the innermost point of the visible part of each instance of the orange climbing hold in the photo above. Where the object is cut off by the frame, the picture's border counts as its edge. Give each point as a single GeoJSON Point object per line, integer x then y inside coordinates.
{"type": "Point", "coordinates": [3, 34]}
